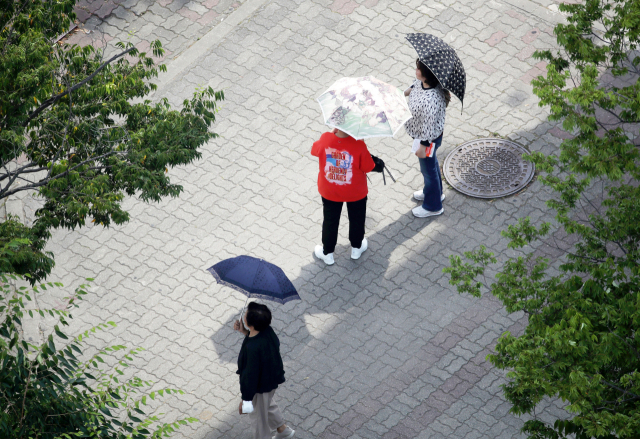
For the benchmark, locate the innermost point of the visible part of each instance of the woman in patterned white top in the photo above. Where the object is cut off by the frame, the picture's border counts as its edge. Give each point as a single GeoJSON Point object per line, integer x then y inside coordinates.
{"type": "Point", "coordinates": [427, 102]}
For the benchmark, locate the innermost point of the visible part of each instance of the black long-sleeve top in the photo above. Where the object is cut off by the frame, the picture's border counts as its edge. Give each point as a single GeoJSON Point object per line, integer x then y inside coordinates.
{"type": "Point", "coordinates": [260, 364]}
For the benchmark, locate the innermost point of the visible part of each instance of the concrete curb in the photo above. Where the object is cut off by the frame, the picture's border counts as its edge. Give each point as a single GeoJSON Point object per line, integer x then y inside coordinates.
{"type": "Point", "coordinates": [187, 58]}
{"type": "Point", "coordinates": [551, 16]}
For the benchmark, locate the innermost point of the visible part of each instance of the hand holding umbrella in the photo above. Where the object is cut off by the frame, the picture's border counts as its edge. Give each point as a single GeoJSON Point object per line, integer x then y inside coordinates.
{"type": "Point", "coordinates": [381, 167]}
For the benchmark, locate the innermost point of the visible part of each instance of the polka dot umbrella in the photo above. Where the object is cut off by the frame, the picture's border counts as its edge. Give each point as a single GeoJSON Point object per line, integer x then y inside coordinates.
{"type": "Point", "coordinates": [442, 60]}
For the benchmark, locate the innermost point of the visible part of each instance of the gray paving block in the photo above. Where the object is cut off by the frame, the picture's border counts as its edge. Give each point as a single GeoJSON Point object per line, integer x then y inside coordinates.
{"type": "Point", "coordinates": [356, 349]}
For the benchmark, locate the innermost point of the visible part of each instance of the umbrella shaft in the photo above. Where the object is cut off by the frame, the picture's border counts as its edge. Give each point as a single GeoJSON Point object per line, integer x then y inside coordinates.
{"type": "Point", "coordinates": [242, 312]}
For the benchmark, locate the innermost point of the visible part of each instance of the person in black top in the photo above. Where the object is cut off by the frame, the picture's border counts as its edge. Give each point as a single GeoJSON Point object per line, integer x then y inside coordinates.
{"type": "Point", "coordinates": [261, 371]}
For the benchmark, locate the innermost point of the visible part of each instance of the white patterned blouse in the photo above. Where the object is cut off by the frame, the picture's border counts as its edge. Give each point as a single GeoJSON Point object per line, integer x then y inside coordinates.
{"type": "Point", "coordinates": [428, 108]}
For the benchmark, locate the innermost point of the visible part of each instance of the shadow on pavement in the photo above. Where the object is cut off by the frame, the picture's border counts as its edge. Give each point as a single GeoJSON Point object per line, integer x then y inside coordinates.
{"type": "Point", "coordinates": [335, 286]}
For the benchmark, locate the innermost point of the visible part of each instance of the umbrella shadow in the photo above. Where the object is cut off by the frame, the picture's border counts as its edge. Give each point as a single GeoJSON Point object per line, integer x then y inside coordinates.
{"type": "Point", "coordinates": [330, 289]}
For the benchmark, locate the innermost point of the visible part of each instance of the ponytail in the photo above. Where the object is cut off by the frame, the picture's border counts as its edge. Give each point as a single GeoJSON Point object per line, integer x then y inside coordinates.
{"type": "Point", "coordinates": [447, 97]}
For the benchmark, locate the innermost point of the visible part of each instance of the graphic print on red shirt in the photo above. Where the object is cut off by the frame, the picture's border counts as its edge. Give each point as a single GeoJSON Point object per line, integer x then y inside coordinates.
{"type": "Point", "coordinates": [339, 166]}
{"type": "Point", "coordinates": [343, 165]}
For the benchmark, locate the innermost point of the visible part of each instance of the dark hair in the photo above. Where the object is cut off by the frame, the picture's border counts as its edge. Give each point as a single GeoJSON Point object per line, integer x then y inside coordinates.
{"type": "Point", "coordinates": [258, 316]}
{"type": "Point", "coordinates": [431, 79]}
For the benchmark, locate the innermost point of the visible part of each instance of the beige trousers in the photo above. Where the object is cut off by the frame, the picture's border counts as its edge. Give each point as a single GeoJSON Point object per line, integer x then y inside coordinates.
{"type": "Point", "coordinates": [266, 414]}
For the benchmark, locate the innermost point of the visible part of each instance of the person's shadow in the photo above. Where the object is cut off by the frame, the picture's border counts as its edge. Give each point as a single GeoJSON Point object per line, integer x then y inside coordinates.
{"type": "Point", "coordinates": [330, 290]}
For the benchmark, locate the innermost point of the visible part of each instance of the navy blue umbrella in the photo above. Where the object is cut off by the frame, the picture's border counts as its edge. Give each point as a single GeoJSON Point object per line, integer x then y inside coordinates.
{"type": "Point", "coordinates": [256, 278]}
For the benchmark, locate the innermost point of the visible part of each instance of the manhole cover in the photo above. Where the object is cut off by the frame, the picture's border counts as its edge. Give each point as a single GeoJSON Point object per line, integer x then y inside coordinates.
{"type": "Point", "coordinates": [488, 168]}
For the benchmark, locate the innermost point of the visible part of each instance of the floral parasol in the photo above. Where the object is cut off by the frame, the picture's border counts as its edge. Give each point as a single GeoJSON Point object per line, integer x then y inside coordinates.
{"type": "Point", "coordinates": [364, 107]}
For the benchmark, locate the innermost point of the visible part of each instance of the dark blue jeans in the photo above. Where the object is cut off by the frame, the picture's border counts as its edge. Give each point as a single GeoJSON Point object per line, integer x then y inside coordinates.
{"type": "Point", "coordinates": [432, 180]}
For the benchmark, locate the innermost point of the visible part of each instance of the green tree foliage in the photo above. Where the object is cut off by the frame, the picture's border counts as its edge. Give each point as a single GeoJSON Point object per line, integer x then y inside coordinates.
{"type": "Point", "coordinates": [51, 390]}
{"type": "Point", "coordinates": [582, 341]}
{"type": "Point", "coordinates": [19, 254]}
{"type": "Point", "coordinates": [76, 128]}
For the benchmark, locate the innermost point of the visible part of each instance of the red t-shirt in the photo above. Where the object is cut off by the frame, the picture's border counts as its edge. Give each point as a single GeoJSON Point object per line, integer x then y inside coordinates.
{"type": "Point", "coordinates": [343, 167]}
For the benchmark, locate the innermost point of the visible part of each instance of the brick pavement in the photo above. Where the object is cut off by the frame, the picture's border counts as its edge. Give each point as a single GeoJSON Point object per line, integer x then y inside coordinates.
{"type": "Point", "coordinates": [177, 23]}
{"type": "Point", "coordinates": [380, 347]}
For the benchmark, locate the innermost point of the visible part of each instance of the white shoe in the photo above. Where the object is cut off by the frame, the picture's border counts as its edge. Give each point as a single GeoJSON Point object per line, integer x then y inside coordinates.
{"type": "Point", "coordinates": [286, 434]}
{"type": "Point", "coordinates": [419, 195]}
{"type": "Point", "coordinates": [420, 212]}
{"type": "Point", "coordinates": [319, 252]}
{"type": "Point", "coordinates": [357, 252]}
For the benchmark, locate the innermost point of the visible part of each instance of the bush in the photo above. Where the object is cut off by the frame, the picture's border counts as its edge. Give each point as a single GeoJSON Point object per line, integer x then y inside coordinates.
{"type": "Point", "coordinates": [48, 391]}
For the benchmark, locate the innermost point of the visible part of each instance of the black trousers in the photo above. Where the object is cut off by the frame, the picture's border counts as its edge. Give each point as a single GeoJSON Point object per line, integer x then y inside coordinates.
{"type": "Point", "coordinates": [357, 211]}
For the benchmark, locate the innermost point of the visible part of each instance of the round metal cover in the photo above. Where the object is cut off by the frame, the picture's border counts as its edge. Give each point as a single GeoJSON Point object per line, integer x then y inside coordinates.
{"type": "Point", "coordinates": [488, 168]}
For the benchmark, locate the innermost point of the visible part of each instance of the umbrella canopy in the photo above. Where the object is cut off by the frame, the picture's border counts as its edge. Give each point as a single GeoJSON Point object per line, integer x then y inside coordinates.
{"type": "Point", "coordinates": [256, 278]}
{"type": "Point", "coordinates": [364, 107]}
{"type": "Point", "coordinates": [442, 60]}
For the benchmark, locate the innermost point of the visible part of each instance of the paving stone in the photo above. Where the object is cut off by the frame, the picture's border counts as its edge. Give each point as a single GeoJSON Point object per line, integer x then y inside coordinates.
{"type": "Point", "coordinates": [380, 347]}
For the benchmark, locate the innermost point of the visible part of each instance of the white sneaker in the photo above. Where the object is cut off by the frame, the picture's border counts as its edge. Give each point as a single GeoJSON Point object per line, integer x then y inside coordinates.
{"type": "Point", "coordinates": [286, 434]}
{"type": "Point", "coordinates": [319, 252]}
{"type": "Point", "coordinates": [423, 213]}
{"type": "Point", "coordinates": [357, 252]}
{"type": "Point", "coordinates": [419, 195]}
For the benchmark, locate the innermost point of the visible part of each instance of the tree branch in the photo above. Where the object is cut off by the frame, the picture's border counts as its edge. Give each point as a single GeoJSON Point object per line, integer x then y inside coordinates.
{"type": "Point", "coordinates": [29, 171]}
{"type": "Point", "coordinates": [11, 181]}
{"type": "Point", "coordinates": [18, 171]}
{"type": "Point", "coordinates": [621, 120]}
{"type": "Point", "coordinates": [613, 386]}
{"type": "Point", "coordinates": [52, 100]}
{"type": "Point", "coordinates": [46, 180]}
{"type": "Point", "coordinates": [621, 338]}
{"type": "Point", "coordinates": [9, 40]}
{"type": "Point", "coordinates": [13, 17]}
{"type": "Point", "coordinates": [24, 397]}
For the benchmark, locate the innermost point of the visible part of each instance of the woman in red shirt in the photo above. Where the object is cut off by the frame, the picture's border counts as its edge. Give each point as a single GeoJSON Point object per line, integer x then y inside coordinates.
{"type": "Point", "coordinates": [344, 163]}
